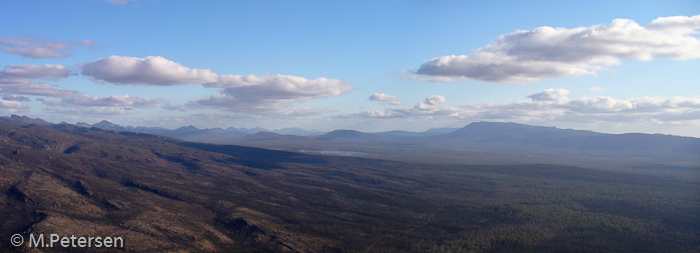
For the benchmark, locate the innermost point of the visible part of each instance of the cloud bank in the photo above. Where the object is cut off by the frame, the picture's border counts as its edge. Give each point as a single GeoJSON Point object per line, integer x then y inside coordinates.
{"type": "Point", "coordinates": [109, 101]}
{"type": "Point", "coordinates": [17, 82]}
{"type": "Point", "coordinates": [30, 71]}
{"type": "Point", "coordinates": [20, 80]}
{"type": "Point", "coordinates": [91, 111]}
{"type": "Point", "coordinates": [432, 106]}
{"type": "Point", "coordinates": [551, 105]}
{"type": "Point", "coordinates": [548, 52]}
{"type": "Point", "coordinates": [39, 48]}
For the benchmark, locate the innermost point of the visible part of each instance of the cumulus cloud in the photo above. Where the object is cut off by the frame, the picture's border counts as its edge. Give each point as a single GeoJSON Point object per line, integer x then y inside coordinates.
{"type": "Point", "coordinates": [280, 87]}
{"type": "Point", "coordinates": [431, 106]}
{"type": "Point", "coordinates": [12, 104]}
{"type": "Point", "coordinates": [242, 93]}
{"type": "Point", "coordinates": [270, 93]}
{"type": "Point", "coordinates": [151, 70]}
{"type": "Point", "coordinates": [432, 102]}
{"type": "Point", "coordinates": [381, 97]}
{"type": "Point", "coordinates": [246, 93]}
{"type": "Point", "coordinates": [547, 52]}
{"type": "Point", "coordinates": [10, 107]}
{"type": "Point", "coordinates": [38, 48]}
{"type": "Point", "coordinates": [600, 104]}
{"type": "Point", "coordinates": [558, 95]}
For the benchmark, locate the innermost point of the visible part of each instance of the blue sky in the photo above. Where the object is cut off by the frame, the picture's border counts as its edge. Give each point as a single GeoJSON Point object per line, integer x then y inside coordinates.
{"type": "Point", "coordinates": [609, 66]}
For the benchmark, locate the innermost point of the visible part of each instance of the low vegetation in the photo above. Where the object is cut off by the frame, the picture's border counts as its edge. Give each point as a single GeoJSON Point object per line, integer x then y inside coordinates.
{"type": "Point", "coordinates": [163, 194]}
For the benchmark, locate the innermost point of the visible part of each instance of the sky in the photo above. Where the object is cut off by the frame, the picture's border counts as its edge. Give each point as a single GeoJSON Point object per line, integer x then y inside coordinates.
{"type": "Point", "coordinates": [606, 66]}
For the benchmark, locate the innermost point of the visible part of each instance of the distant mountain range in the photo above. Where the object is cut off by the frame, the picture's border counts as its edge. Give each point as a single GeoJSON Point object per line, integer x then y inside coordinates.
{"type": "Point", "coordinates": [192, 133]}
{"type": "Point", "coordinates": [491, 142]}
{"type": "Point", "coordinates": [552, 137]}
{"type": "Point", "coordinates": [228, 135]}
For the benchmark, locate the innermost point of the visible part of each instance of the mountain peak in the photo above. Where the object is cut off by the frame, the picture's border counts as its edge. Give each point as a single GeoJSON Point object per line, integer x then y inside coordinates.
{"type": "Point", "coordinates": [190, 128]}
{"type": "Point", "coordinates": [28, 120]}
{"type": "Point", "coordinates": [105, 123]}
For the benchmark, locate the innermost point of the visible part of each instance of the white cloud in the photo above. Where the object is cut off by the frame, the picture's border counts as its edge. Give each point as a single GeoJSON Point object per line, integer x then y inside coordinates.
{"type": "Point", "coordinates": [116, 100]}
{"type": "Point", "coordinates": [431, 106]}
{"type": "Point", "coordinates": [391, 99]}
{"type": "Point", "coordinates": [12, 107]}
{"type": "Point", "coordinates": [30, 71]}
{"type": "Point", "coordinates": [600, 104]}
{"type": "Point", "coordinates": [547, 52]}
{"type": "Point", "coordinates": [13, 97]}
{"type": "Point", "coordinates": [433, 102]}
{"type": "Point", "coordinates": [280, 87]}
{"type": "Point", "coordinates": [270, 93]}
{"type": "Point", "coordinates": [151, 70]}
{"type": "Point", "coordinates": [558, 95]}
{"type": "Point", "coordinates": [97, 111]}
{"type": "Point", "coordinates": [38, 48]}
{"type": "Point", "coordinates": [676, 24]}
{"type": "Point", "coordinates": [250, 93]}
{"type": "Point", "coordinates": [552, 105]}
{"type": "Point", "coordinates": [12, 104]}
{"type": "Point", "coordinates": [19, 80]}
{"type": "Point", "coordinates": [28, 87]}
